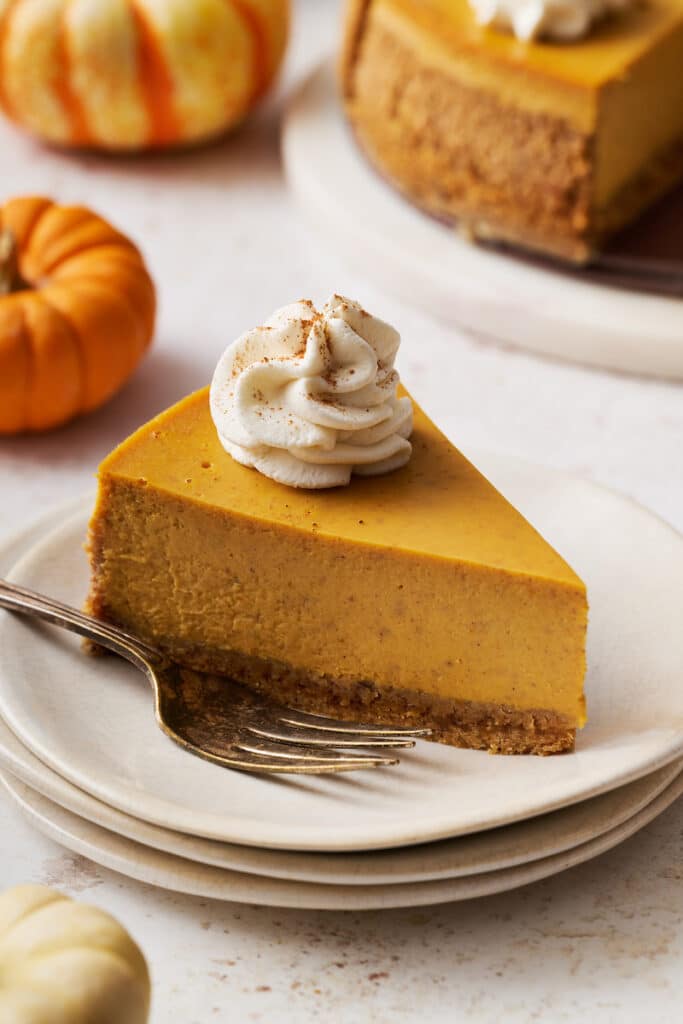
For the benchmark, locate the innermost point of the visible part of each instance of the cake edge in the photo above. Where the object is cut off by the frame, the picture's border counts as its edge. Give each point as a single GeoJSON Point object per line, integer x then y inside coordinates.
{"type": "Point", "coordinates": [495, 728]}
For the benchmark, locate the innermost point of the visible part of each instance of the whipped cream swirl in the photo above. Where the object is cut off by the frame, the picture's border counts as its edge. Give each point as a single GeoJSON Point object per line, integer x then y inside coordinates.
{"type": "Point", "coordinates": [310, 397]}
{"type": "Point", "coordinates": [547, 19]}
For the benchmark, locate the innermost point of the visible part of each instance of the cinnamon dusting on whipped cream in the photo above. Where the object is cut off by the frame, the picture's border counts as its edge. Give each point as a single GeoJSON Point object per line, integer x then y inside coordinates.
{"type": "Point", "coordinates": [310, 397]}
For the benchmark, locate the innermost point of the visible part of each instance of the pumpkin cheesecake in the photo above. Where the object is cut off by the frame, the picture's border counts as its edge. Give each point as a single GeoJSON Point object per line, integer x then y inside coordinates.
{"type": "Point", "coordinates": [304, 528]}
{"type": "Point", "coordinates": [545, 127]}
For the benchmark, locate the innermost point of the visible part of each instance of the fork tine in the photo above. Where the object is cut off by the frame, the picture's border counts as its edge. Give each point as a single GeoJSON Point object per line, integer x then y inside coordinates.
{"type": "Point", "coordinates": [306, 720]}
{"type": "Point", "coordinates": [261, 764]}
{"type": "Point", "coordinates": [292, 753]}
{"type": "Point", "coordinates": [313, 737]}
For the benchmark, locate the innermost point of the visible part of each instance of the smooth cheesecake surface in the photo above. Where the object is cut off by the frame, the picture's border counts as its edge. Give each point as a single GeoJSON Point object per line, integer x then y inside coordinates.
{"type": "Point", "coordinates": [424, 581]}
{"type": "Point", "coordinates": [439, 505]}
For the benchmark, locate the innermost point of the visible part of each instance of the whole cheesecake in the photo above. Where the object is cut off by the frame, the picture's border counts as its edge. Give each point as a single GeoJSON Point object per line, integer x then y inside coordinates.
{"type": "Point", "coordinates": [235, 533]}
{"type": "Point", "coordinates": [550, 145]}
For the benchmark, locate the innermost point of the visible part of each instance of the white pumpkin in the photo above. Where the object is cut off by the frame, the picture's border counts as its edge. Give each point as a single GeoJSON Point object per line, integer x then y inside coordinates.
{"type": "Point", "coordinates": [63, 962]}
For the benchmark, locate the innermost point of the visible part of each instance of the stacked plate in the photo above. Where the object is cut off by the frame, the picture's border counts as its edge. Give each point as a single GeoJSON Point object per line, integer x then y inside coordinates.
{"type": "Point", "coordinates": [82, 757]}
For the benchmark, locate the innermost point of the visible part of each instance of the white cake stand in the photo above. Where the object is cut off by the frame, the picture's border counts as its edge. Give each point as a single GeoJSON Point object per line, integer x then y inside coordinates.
{"type": "Point", "coordinates": [489, 293]}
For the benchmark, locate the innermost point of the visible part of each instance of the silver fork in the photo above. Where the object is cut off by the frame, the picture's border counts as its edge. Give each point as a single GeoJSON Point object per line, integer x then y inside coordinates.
{"type": "Point", "coordinates": [220, 720]}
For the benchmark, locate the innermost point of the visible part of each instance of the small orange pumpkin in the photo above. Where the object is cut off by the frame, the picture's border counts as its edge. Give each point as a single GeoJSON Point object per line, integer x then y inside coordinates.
{"type": "Point", "coordinates": [77, 309]}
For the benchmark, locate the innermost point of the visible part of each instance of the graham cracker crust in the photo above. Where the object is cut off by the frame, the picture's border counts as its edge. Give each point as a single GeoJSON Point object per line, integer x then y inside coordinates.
{"type": "Point", "coordinates": [495, 728]}
{"type": "Point", "coordinates": [497, 173]}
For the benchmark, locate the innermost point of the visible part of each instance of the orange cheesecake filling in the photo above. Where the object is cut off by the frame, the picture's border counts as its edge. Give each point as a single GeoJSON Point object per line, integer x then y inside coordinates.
{"type": "Point", "coordinates": [425, 580]}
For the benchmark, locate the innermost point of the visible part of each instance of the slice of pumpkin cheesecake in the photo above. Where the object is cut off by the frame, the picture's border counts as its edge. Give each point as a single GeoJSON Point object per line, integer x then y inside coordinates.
{"type": "Point", "coordinates": [365, 570]}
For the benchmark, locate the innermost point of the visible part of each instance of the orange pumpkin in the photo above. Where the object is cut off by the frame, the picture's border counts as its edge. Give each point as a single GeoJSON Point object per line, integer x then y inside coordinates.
{"type": "Point", "coordinates": [133, 74]}
{"type": "Point", "coordinates": [77, 310]}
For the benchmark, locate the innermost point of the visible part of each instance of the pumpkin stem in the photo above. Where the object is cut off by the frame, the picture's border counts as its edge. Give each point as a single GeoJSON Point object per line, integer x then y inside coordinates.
{"type": "Point", "coordinates": [10, 278]}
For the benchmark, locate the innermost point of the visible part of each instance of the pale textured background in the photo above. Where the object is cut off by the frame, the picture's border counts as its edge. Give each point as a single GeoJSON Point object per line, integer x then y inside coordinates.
{"type": "Point", "coordinates": [602, 942]}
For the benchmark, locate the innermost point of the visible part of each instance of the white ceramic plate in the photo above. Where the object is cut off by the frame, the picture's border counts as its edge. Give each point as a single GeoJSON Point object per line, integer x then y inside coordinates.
{"type": "Point", "coordinates": [412, 255]}
{"type": "Point", "coordinates": [489, 851]}
{"type": "Point", "coordinates": [91, 719]}
{"type": "Point", "coordinates": [180, 875]}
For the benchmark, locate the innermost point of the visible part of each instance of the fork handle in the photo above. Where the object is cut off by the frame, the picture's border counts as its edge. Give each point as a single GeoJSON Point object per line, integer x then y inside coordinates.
{"type": "Point", "coordinates": [28, 602]}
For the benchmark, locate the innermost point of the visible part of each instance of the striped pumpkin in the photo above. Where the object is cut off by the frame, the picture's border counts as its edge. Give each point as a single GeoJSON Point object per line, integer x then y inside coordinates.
{"type": "Point", "coordinates": [77, 311]}
{"type": "Point", "coordinates": [136, 74]}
